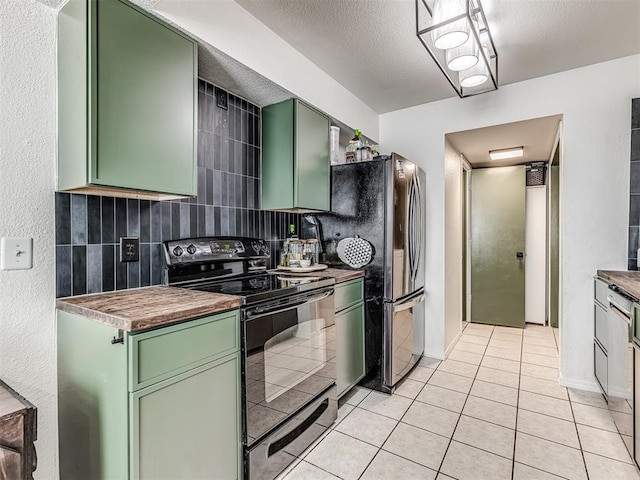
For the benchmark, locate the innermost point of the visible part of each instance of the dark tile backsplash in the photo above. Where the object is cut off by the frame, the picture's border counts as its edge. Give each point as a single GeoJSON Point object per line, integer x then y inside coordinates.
{"type": "Point", "coordinates": [634, 187]}
{"type": "Point", "coordinates": [88, 228]}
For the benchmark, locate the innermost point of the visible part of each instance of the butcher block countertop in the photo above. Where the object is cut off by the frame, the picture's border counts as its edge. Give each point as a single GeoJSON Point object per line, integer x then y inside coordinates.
{"type": "Point", "coordinates": [628, 281]}
{"type": "Point", "coordinates": [142, 308]}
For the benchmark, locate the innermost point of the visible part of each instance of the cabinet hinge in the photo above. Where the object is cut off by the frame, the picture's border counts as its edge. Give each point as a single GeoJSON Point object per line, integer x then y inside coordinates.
{"type": "Point", "coordinates": [119, 338]}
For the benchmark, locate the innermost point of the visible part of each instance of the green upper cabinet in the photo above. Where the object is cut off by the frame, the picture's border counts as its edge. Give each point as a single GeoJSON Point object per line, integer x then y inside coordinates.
{"type": "Point", "coordinates": [127, 101]}
{"type": "Point", "coordinates": [295, 157]}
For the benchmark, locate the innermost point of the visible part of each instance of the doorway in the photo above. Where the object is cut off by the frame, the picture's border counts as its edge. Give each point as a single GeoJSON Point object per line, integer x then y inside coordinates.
{"type": "Point", "coordinates": [510, 256]}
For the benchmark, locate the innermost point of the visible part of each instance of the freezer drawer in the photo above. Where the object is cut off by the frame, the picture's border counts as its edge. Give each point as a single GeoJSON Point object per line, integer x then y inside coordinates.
{"type": "Point", "coordinates": [404, 337]}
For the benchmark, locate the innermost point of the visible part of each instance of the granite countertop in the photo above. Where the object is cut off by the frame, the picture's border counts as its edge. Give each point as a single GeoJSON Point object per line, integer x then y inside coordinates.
{"type": "Point", "coordinates": [627, 281]}
{"type": "Point", "coordinates": [340, 275]}
{"type": "Point", "coordinates": [141, 308]}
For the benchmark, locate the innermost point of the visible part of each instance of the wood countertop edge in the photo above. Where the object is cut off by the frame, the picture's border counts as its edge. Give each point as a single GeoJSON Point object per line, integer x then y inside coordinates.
{"type": "Point", "coordinates": [140, 323]}
{"type": "Point", "coordinates": [621, 279]}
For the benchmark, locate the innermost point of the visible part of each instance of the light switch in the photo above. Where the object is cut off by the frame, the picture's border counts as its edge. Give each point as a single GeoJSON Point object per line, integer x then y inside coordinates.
{"type": "Point", "coordinates": [16, 253]}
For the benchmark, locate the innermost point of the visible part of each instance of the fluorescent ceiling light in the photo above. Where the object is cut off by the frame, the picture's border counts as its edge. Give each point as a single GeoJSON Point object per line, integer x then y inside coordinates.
{"type": "Point", "coordinates": [505, 153]}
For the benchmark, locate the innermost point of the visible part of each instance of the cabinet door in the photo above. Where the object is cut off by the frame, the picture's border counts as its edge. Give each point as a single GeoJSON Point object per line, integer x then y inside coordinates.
{"type": "Point", "coordinates": [189, 426]}
{"type": "Point", "coordinates": [636, 406]}
{"type": "Point", "coordinates": [312, 164]}
{"type": "Point", "coordinates": [600, 367]}
{"type": "Point", "coordinates": [144, 82]}
{"type": "Point", "coordinates": [350, 347]}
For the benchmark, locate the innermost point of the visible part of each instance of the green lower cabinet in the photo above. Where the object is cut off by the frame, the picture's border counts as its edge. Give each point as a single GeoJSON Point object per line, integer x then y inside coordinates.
{"type": "Point", "coordinates": [120, 418]}
{"type": "Point", "coordinates": [350, 340]}
{"type": "Point", "coordinates": [182, 427]}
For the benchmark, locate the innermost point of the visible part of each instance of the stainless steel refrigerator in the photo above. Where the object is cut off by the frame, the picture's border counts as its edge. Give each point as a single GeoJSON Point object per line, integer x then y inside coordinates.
{"type": "Point", "coordinates": [382, 201]}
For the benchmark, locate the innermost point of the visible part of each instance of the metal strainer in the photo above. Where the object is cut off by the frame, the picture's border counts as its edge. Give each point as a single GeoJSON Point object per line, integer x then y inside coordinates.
{"type": "Point", "coordinates": [355, 251]}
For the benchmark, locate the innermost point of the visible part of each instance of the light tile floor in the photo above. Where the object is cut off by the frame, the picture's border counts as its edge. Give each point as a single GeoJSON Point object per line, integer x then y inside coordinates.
{"type": "Point", "coordinates": [493, 410]}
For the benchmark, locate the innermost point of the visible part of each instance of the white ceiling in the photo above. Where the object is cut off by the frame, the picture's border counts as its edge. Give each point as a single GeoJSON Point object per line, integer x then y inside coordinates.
{"type": "Point", "coordinates": [537, 136]}
{"type": "Point", "coordinates": [370, 46]}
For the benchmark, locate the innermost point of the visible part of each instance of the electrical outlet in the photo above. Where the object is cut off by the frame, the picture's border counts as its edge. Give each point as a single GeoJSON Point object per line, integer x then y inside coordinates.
{"type": "Point", "coordinates": [129, 249]}
{"type": "Point", "coordinates": [222, 98]}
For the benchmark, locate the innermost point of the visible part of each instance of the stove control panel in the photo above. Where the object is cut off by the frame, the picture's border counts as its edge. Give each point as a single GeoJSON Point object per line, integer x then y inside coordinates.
{"type": "Point", "coordinates": [227, 248]}
{"type": "Point", "coordinates": [203, 249]}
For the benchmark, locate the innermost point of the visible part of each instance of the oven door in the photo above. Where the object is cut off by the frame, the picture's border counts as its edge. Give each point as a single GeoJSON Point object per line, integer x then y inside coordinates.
{"type": "Point", "coordinates": [289, 359]}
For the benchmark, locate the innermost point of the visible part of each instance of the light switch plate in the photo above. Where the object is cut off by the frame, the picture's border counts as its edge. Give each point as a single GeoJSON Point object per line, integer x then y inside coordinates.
{"type": "Point", "coordinates": [16, 253]}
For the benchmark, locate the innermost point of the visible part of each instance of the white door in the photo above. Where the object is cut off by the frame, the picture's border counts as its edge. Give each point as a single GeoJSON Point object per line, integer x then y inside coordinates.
{"type": "Point", "coordinates": [535, 261]}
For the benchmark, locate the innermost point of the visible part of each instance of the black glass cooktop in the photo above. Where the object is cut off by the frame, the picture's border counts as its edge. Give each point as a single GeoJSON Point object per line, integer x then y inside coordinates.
{"type": "Point", "coordinates": [260, 287]}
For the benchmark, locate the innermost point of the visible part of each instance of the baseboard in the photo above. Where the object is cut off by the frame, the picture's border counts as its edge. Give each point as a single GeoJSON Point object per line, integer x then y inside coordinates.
{"type": "Point", "coordinates": [453, 344]}
{"type": "Point", "coordinates": [588, 385]}
{"type": "Point", "coordinates": [436, 355]}
{"type": "Point", "coordinates": [620, 393]}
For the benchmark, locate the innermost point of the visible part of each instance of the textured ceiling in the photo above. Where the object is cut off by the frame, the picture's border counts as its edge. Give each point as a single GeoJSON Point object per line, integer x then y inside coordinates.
{"type": "Point", "coordinates": [537, 136]}
{"type": "Point", "coordinates": [370, 47]}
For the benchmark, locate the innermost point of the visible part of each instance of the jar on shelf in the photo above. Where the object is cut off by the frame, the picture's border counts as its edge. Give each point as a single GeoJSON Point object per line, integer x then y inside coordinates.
{"type": "Point", "coordinates": [353, 148]}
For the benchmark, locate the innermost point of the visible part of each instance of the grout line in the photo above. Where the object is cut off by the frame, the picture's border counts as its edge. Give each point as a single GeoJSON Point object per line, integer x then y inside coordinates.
{"type": "Point", "coordinates": [575, 424]}
{"type": "Point", "coordinates": [515, 428]}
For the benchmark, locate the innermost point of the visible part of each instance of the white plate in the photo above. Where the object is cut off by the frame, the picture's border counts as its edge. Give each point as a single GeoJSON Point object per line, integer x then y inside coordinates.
{"type": "Point", "coordinates": [314, 268]}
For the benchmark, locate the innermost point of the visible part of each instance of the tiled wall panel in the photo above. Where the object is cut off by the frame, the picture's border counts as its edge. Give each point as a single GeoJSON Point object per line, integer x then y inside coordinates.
{"type": "Point", "coordinates": [88, 228]}
{"type": "Point", "coordinates": [634, 190]}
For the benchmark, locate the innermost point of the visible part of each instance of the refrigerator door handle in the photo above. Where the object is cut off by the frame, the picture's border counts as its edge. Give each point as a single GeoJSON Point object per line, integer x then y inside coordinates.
{"type": "Point", "coordinates": [418, 227]}
{"type": "Point", "coordinates": [410, 303]}
{"type": "Point", "coordinates": [412, 229]}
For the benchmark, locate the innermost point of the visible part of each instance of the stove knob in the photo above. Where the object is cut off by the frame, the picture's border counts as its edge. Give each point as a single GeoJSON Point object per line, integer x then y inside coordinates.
{"type": "Point", "coordinates": [191, 249]}
{"type": "Point", "coordinates": [177, 251]}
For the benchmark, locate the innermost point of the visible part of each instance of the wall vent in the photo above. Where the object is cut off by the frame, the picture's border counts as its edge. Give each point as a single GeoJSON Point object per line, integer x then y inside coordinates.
{"type": "Point", "coordinates": [536, 174]}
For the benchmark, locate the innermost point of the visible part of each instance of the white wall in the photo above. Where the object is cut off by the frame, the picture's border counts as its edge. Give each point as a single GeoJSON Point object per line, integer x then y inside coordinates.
{"type": "Point", "coordinates": [452, 250]}
{"type": "Point", "coordinates": [27, 177]}
{"type": "Point", "coordinates": [234, 31]}
{"type": "Point", "coordinates": [595, 101]}
{"type": "Point", "coordinates": [535, 270]}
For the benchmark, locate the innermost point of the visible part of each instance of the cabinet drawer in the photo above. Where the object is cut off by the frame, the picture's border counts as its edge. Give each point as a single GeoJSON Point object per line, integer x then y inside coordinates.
{"type": "Point", "coordinates": [163, 353]}
{"type": "Point", "coordinates": [601, 332]}
{"type": "Point", "coordinates": [348, 293]}
{"type": "Point", "coordinates": [600, 366]}
{"type": "Point", "coordinates": [601, 290]}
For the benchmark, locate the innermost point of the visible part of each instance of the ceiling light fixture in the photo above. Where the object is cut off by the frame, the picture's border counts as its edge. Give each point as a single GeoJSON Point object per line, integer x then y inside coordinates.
{"type": "Point", "coordinates": [463, 57]}
{"type": "Point", "coordinates": [451, 34]}
{"type": "Point", "coordinates": [513, 152]}
{"type": "Point", "coordinates": [456, 35]}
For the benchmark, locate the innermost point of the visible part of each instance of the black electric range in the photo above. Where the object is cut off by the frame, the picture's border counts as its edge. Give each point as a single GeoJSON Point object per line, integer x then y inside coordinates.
{"type": "Point", "coordinates": [288, 344]}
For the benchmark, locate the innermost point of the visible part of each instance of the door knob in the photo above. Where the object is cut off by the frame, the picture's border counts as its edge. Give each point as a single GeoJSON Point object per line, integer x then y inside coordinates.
{"type": "Point", "coordinates": [519, 254]}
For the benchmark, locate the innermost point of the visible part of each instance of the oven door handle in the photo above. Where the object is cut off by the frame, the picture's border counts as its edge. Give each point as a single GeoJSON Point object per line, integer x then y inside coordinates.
{"type": "Point", "coordinates": [250, 314]}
